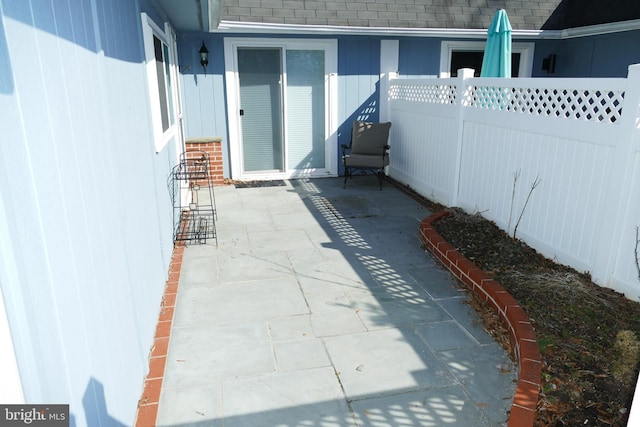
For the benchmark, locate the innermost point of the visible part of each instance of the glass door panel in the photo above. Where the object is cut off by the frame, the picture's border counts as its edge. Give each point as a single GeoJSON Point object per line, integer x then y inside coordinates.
{"type": "Point", "coordinates": [260, 81]}
{"type": "Point", "coordinates": [305, 70]}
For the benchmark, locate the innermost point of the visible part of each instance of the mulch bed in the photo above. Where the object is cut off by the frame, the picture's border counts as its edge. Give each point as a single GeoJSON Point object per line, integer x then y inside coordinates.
{"type": "Point", "coordinates": [589, 367]}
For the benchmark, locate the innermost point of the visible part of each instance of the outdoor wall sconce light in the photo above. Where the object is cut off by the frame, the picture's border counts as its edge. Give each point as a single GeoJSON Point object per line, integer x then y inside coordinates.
{"type": "Point", "coordinates": [204, 57]}
{"type": "Point", "coordinates": [549, 63]}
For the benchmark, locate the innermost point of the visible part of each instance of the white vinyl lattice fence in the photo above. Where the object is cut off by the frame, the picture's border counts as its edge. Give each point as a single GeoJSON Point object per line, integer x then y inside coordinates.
{"type": "Point", "coordinates": [430, 94]}
{"type": "Point", "coordinates": [581, 104]}
{"type": "Point", "coordinates": [461, 141]}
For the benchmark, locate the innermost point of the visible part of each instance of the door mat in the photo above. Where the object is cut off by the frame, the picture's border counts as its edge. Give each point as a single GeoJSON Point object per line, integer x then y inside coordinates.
{"type": "Point", "coordinates": [257, 184]}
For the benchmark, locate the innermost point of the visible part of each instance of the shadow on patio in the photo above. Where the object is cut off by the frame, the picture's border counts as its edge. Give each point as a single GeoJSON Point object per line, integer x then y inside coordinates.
{"type": "Point", "coordinates": [320, 308]}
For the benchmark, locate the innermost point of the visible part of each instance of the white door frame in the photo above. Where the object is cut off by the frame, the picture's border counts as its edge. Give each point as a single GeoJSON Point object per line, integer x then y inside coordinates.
{"type": "Point", "coordinates": [447, 47]}
{"type": "Point", "coordinates": [330, 46]}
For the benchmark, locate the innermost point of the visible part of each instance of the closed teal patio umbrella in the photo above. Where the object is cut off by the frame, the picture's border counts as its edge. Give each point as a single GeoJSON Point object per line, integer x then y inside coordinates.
{"type": "Point", "coordinates": [497, 52]}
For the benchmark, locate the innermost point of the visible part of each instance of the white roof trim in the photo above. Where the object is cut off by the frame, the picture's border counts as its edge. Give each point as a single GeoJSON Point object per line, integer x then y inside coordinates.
{"type": "Point", "coordinates": [593, 30]}
{"type": "Point", "coordinates": [259, 27]}
{"type": "Point", "coordinates": [215, 12]}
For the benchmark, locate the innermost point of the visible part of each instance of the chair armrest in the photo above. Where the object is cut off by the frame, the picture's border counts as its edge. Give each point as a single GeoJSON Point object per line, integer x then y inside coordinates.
{"type": "Point", "coordinates": [345, 147]}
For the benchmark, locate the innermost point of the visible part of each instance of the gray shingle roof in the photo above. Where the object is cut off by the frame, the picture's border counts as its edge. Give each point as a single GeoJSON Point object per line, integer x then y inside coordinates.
{"type": "Point", "coordinates": [592, 12]}
{"type": "Point", "coordinates": [461, 14]}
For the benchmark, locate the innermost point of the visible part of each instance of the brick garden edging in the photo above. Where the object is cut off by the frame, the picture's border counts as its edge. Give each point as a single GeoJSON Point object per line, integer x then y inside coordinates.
{"type": "Point", "coordinates": [521, 333]}
{"type": "Point", "coordinates": [148, 403]}
{"type": "Point", "coordinates": [147, 412]}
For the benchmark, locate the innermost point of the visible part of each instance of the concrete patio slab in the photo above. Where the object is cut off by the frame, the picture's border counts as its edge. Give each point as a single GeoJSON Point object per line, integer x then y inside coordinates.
{"type": "Point", "coordinates": [243, 301]}
{"type": "Point", "coordinates": [381, 312]}
{"type": "Point", "coordinates": [300, 219]}
{"type": "Point", "coordinates": [465, 315]}
{"type": "Point", "coordinates": [396, 291]}
{"type": "Point", "coordinates": [445, 335]}
{"type": "Point", "coordinates": [206, 354]}
{"type": "Point", "coordinates": [199, 269]}
{"type": "Point", "coordinates": [300, 355]}
{"type": "Point", "coordinates": [286, 399]}
{"type": "Point", "coordinates": [486, 373]}
{"type": "Point", "coordinates": [193, 405]}
{"type": "Point", "coordinates": [253, 219]}
{"type": "Point", "coordinates": [388, 361]}
{"type": "Point", "coordinates": [317, 308]}
{"type": "Point", "coordinates": [336, 272]}
{"type": "Point", "coordinates": [244, 265]}
{"type": "Point", "coordinates": [313, 256]}
{"type": "Point", "coordinates": [331, 299]}
{"type": "Point", "coordinates": [280, 240]}
{"type": "Point", "coordinates": [336, 322]}
{"type": "Point", "coordinates": [437, 282]}
{"type": "Point", "coordinates": [291, 328]}
{"type": "Point", "coordinates": [446, 406]}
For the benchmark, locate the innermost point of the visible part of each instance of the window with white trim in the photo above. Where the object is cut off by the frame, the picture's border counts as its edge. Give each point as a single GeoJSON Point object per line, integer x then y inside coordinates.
{"type": "Point", "coordinates": [159, 47]}
{"type": "Point", "coordinates": [458, 54]}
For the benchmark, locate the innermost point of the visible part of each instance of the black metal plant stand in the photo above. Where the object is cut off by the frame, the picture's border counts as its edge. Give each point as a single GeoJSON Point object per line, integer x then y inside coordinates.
{"type": "Point", "coordinates": [194, 203]}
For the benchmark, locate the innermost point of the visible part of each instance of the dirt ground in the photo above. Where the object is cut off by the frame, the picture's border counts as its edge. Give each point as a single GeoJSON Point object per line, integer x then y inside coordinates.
{"type": "Point", "coordinates": [589, 365]}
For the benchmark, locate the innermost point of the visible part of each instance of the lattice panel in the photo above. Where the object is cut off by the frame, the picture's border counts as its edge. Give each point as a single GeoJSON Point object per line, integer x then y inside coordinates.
{"type": "Point", "coordinates": [581, 104]}
{"type": "Point", "coordinates": [429, 94]}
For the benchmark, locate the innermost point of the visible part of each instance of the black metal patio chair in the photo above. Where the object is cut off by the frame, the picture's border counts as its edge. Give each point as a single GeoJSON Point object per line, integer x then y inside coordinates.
{"type": "Point", "coordinates": [368, 151]}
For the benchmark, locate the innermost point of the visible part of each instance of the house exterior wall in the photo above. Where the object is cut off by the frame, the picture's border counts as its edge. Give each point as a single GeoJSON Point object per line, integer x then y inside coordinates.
{"type": "Point", "coordinates": [204, 102]}
{"type": "Point", "coordinates": [85, 216]}
{"type": "Point", "coordinates": [358, 85]}
{"type": "Point", "coordinates": [606, 55]}
{"type": "Point", "coordinates": [203, 95]}
{"type": "Point", "coordinates": [419, 57]}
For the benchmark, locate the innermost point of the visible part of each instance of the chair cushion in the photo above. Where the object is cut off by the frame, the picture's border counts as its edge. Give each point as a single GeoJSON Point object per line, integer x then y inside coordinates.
{"type": "Point", "coordinates": [369, 138]}
{"type": "Point", "coordinates": [366, 161]}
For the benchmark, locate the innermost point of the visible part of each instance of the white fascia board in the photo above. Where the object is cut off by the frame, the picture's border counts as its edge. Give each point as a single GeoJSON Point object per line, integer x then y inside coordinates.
{"type": "Point", "coordinates": [268, 28]}
{"type": "Point", "coordinates": [594, 30]}
{"type": "Point", "coordinates": [215, 13]}
{"type": "Point", "coordinates": [259, 27]}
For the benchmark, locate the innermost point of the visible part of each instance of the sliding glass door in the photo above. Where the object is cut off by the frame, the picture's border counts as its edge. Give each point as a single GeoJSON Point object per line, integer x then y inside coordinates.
{"type": "Point", "coordinates": [283, 109]}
